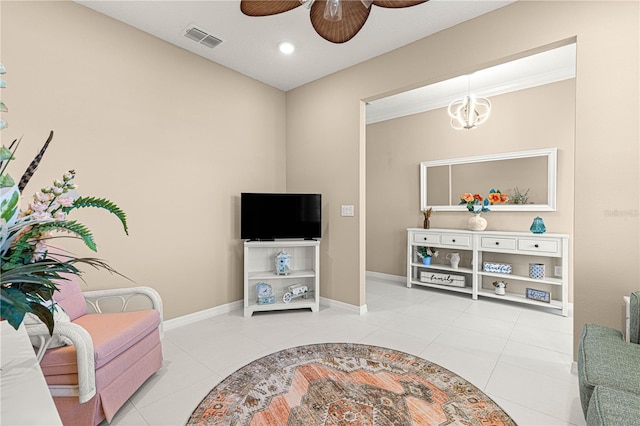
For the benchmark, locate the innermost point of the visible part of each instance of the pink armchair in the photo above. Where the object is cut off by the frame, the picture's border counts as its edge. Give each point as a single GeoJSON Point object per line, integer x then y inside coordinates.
{"type": "Point", "coordinates": [112, 355]}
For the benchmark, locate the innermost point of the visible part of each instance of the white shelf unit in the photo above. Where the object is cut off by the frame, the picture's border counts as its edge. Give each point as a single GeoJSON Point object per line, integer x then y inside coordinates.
{"type": "Point", "coordinates": [517, 249]}
{"type": "Point", "coordinates": [259, 266]}
{"type": "Point", "coordinates": [445, 241]}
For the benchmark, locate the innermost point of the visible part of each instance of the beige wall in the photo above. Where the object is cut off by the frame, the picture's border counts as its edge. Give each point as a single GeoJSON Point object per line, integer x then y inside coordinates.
{"type": "Point", "coordinates": [328, 154]}
{"type": "Point", "coordinates": [170, 137]}
{"type": "Point", "coordinates": [179, 137]}
{"type": "Point", "coordinates": [540, 117]}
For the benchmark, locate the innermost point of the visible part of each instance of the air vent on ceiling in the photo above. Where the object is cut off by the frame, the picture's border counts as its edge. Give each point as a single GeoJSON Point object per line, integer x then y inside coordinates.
{"type": "Point", "coordinates": [202, 37]}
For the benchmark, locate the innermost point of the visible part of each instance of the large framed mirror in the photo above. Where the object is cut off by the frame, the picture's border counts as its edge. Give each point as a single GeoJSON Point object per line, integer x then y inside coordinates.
{"type": "Point", "coordinates": [528, 177]}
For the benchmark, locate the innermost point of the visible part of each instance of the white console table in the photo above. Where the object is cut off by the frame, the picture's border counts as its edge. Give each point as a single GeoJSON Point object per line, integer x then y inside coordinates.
{"type": "Point", "coordinates": [515, 250]}
{"type": "Point", "coordinates": [24, 397]}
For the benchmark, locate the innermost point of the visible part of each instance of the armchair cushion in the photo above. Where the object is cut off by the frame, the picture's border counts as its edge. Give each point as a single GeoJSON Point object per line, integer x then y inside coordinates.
{"type": "Point", "coordinates": [70, 297]}
{"type": "Point", "coordinates": [112, 334]}
{"type": "Point", "coordinates": [612, 407]}
{"type": "Point", "coordinates": [604, 358]}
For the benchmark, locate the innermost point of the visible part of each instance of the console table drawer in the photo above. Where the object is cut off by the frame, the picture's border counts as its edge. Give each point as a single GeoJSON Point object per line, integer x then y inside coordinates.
{"type": "Point", "coordinates": [542, 246]}
{"type": "Point", "coordinates": [498, 243]}
{"type": "Point", "coordinates": [456, 240]}
{"type": "Point", "coordinates": [419, 237]}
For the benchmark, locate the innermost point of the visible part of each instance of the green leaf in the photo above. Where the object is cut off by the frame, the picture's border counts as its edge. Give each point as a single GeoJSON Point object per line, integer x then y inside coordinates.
{"type": "Point", "coordinates": [8, 207]}
{"type": "Point", "coordinates": [45, 314]}
{"type": "Point", "coordinates": [22, 248]}
{"type": "Point", "coordinates": [5, 154]}
{"type": "Point", "coordinates": [6, 181]}
{"type": "Point", "coordinates": [13, 305]}
{"type": "Point", "coordinates": [100, 203]}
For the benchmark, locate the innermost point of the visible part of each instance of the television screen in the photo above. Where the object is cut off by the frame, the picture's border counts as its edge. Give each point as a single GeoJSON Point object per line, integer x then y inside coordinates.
{"type": "Point", "coordinates": [269, 216]}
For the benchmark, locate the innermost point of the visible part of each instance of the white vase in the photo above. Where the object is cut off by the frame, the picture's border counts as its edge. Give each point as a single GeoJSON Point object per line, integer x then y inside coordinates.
{"type": "Point", "coordinates": [477, 223]}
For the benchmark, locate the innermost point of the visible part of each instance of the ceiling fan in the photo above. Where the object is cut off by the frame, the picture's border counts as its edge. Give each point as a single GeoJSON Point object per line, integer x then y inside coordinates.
{"type": "Point", "coordinates": [337, 21]}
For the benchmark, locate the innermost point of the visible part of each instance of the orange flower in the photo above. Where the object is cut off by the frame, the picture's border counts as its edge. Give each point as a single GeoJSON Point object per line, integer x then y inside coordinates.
{"type": "Point", "coordinates": [504, 198]}
{"type": "Point", "coordinates": [467, 196]}
{"type": "Point", "coordinates": [477, 197]}
{"type": "Point", "coordinates": [494, 197]}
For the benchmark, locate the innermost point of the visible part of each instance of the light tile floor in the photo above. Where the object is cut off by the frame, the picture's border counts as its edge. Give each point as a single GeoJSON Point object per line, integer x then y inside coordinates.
{"type": "Point", "coordinates": [519, 356]}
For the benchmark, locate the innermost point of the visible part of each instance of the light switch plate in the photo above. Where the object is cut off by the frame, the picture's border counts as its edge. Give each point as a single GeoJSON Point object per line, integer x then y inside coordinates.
{"type": "Point", "coordinates": [347, 210]}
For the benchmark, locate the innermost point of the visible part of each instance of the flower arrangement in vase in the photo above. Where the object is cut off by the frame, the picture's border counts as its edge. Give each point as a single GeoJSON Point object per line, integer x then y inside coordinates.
{"type": "Point", "coordinates": [29, 265]}
{"type": "Point", "coordinates": [427, 217]}
{"type": "Point", "coordinates": [426, 253]}
{"type": "Point", "coordinates": [476, 205]}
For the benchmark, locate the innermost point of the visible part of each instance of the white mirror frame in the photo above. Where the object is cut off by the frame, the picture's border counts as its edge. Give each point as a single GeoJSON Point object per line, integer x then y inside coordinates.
{"type": "Point", "coordinates": [552, 161]}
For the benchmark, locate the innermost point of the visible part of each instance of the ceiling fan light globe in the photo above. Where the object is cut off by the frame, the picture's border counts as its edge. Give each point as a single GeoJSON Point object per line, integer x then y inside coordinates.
{"type": "Point", "coordinates": [333, 10]}
{"type": "Point", "coordinates": [366, 3]}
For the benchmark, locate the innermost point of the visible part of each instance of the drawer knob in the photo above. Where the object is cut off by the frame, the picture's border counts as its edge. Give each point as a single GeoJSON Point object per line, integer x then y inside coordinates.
{"type": "Point", "coordinates": [425, 238]}
{"type": "Point", "coordinates": [497, 243]}
{"type": "Point", "coordinates": [535, 245]}
{"type": "Point", "coordinates": [453, 240]}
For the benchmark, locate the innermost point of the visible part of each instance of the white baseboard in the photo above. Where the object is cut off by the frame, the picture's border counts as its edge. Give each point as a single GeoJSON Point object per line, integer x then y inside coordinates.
{"type": "Point", "coordinates": [574, 368]}
{"type": "Point", "coordinates": [386, 277]}
{"type": "Point", "coordinates": [360, 310]}
{"type": "Point", "coordinates": [223, 309]}
{"type": "Point", "coordinates": [201, 315]}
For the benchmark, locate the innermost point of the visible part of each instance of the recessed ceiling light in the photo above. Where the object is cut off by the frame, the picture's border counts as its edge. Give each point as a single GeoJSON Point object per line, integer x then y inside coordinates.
{"type": "Point", "coordinates": [286, 47]}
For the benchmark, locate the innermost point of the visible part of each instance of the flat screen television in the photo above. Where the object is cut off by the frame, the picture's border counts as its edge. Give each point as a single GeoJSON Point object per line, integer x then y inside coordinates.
{"type": "Point", "coordinates": [270, 216]}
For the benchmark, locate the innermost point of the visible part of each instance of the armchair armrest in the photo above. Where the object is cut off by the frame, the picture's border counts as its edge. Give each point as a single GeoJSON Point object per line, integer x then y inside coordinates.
{"type": "Point", "coordinates": [634, 317]}
{"type": "Point", "coordinates": [124, 295]}
{"type": "Point", "coordinates": [84, 353]}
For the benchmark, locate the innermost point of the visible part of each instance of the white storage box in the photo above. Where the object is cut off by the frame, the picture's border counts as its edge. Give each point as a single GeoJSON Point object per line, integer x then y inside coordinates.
{"type": "Point", "coordinates": [442, 279]}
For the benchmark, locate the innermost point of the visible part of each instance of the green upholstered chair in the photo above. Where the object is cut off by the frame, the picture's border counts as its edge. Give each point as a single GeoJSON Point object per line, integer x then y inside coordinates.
{"type": "Point", "coordinates": [612, 407]}
{"type": "Point", "coordinates": [634, 318]}
{"type": "Point", "coordinates": [606, 360]}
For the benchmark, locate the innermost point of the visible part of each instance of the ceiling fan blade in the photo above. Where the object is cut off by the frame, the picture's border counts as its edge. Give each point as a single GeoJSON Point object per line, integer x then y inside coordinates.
{"type": "Point", "coordinates": [396, 4]}
{"type": "Point", "coordinates": [354, 15]}
{"type": "Point", "coordinates": [267, 7]}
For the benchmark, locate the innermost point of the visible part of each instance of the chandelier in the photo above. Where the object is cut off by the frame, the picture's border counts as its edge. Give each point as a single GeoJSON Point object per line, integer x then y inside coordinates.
{"type": "Point", "coordinates": [469, 112]}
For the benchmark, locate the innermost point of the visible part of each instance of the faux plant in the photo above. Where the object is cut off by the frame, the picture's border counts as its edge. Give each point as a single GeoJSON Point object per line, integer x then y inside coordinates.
{"type": "Point", "coordinates": [427, 251]}
{"type": "Point", "coordinates": [520, 197]}
{"type": "Point", "coordinates": [476, 204]}
{"type": "Point", "coordinates": [29, 270]}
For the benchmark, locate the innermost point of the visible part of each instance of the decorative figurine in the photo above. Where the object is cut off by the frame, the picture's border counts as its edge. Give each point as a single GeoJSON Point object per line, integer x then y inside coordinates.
{"type": "Point", "coordinates": [501, 287]}
{"type": "Point", "coordinates": [537, 227]}
{"type": "Point", "coordinates": [295, 291]}
{"type": "Point", "coordinates": [265, 294]}
{"type": "Point", "coordinates": [454, 258]}
{"type": "Point", "coordinates": [283, 261]}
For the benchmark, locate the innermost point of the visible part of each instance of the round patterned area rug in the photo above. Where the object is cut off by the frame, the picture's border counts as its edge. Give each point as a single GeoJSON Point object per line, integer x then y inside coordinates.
{"type": "Point", "coordinates": [346, 384]}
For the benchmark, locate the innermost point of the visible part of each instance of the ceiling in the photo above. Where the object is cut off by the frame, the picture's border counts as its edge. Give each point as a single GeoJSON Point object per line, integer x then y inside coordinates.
{"type": "Point", "coordinates": [250, 44]}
